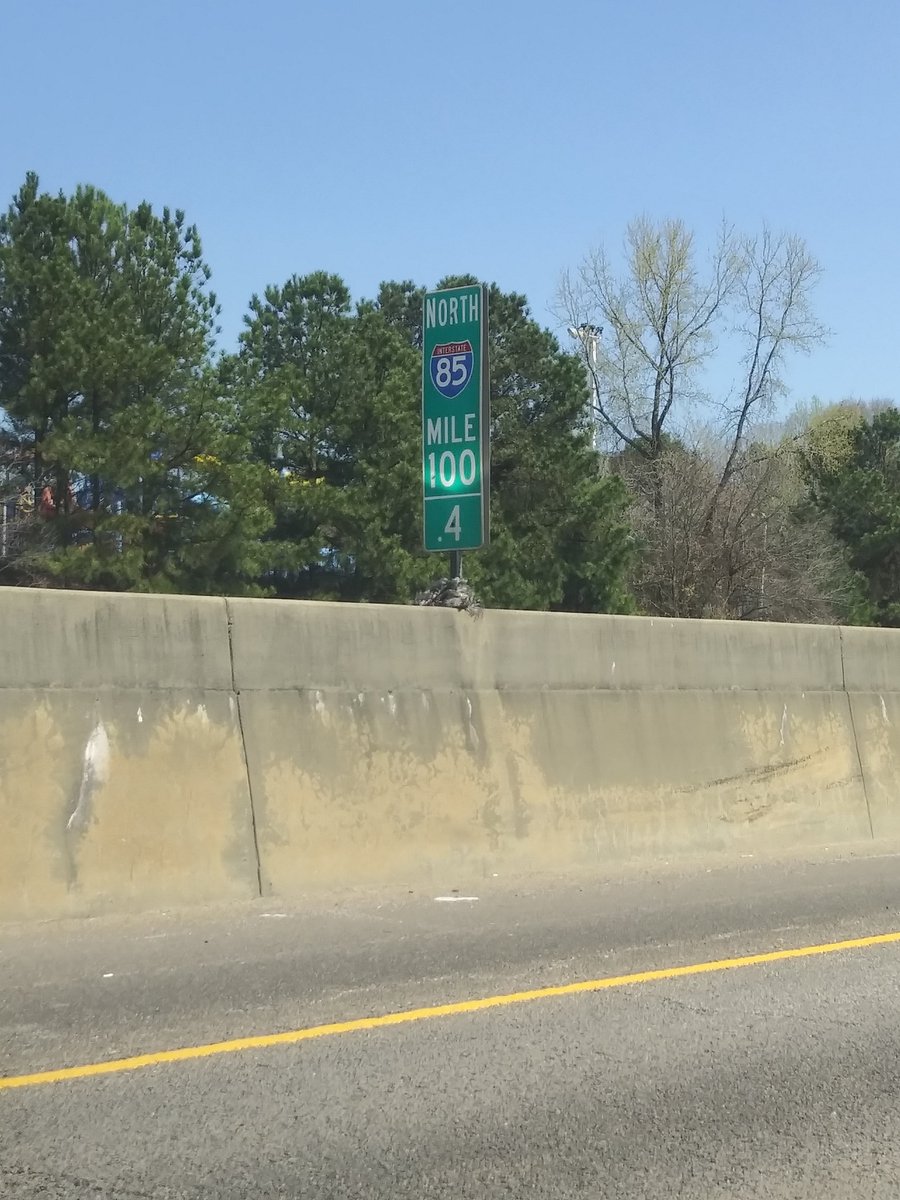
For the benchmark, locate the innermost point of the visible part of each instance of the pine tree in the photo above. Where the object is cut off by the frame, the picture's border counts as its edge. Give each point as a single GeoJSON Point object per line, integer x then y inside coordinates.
{"type": "Point", "coordinates": [341, 392]}
{"type": "Point", "coordinates": [853, 470]}
{"type": "Point", "coordinates": [136, 460]}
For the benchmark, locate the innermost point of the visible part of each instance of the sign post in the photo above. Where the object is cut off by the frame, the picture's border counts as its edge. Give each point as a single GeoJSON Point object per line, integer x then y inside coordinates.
{"type": "Point", "coordinates": [456, 422]}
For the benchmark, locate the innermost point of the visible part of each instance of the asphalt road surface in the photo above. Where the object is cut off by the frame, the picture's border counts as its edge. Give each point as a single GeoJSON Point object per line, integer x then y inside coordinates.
{"type": "Point", "coordinates": [774, 1077]}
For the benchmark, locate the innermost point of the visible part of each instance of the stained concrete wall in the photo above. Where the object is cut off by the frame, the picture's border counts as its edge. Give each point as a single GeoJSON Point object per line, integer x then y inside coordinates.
{"type": "Point", "coordinates": [392, 744]}
{"type": "Point", "coordinates": [123, 783]}
{"type": "Point", "coordinates": [164, 750]}
{"type": "Point", "coordinates": [872, 678]}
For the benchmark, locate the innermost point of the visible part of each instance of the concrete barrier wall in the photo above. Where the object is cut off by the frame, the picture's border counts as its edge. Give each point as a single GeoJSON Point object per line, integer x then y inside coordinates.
{"type": "Point", "coordinates": [122, 777]}
{"type": "Point", "coordinates": [872, 678]}
{"type": "Point", "coordinates": [400, 744]}
{"type": "Point", "coordinates": [164, 750]}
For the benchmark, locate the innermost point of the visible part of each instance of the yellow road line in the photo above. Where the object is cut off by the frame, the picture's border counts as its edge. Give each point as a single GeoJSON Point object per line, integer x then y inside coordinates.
{"type": "Point", "coordinates": [291, 1037]}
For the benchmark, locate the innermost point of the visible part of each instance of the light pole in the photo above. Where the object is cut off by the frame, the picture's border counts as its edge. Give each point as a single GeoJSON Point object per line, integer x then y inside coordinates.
{"type": "Point", "coordinates": [589, 336]}
{"type": "Point", "coordinates": [761, 594]}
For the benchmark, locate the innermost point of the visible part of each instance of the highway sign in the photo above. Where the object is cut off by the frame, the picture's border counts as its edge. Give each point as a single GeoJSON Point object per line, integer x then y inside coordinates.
{"type": "Point", "coordinates": [456, 419]}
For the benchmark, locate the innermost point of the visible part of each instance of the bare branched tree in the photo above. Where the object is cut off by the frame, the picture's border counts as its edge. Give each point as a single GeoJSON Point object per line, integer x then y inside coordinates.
{"type": "Point", "coordinates": [762, 556]}
{"type": "Point", "coordinates": [717, 521]}
{"type": "Point", "coordinates": [658, 321]}
{"type": "Point", "coordinates": [661, 318]}
{"type": "Point", "coordinates": [774, 319]}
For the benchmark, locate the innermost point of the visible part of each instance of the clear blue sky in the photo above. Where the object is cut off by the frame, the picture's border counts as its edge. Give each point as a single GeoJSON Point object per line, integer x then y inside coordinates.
{"type": "Point", "coordinates": [393, 139]}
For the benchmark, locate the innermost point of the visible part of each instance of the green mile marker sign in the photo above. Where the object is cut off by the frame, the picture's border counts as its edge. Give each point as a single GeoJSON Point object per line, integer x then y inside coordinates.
{"type": "Point", "coordinates": [456, 419]}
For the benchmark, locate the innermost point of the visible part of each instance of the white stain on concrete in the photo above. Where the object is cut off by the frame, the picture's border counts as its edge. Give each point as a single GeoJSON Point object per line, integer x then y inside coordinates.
{"type": "Point", "coordinates": [203, 714]}
{"type": "Point", "coordinates": [392, 704]}
{"type": "Point", "coordinates": [455, 899]}
{"type": "Point", "coordinates": [784, 718]}
{"type": "Point", "coordinates": [473, 732]}
{"type": "Point", "coordinates": [140, 716]}
{"type": "Point", "coordinates": [884, 712]}
{"type": "Point", "coordinates": [94, 773]}
{"type": "Point", "coordinates": [319, 704]}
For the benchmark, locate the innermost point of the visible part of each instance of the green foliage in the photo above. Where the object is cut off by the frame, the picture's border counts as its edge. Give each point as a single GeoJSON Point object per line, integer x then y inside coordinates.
{"type": "Point", "coordinates": [135, 460]}
{"type": "Point", "coordinates": [106, 329]}
{"type": "Point", "coordinates": [291, 467]}
{"type": "Point", "coordinates": [857, 486]}
{"type": "Point", "coordinates": [335, 398]}
{"type": "Point", "coordinates": [338, 397]}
